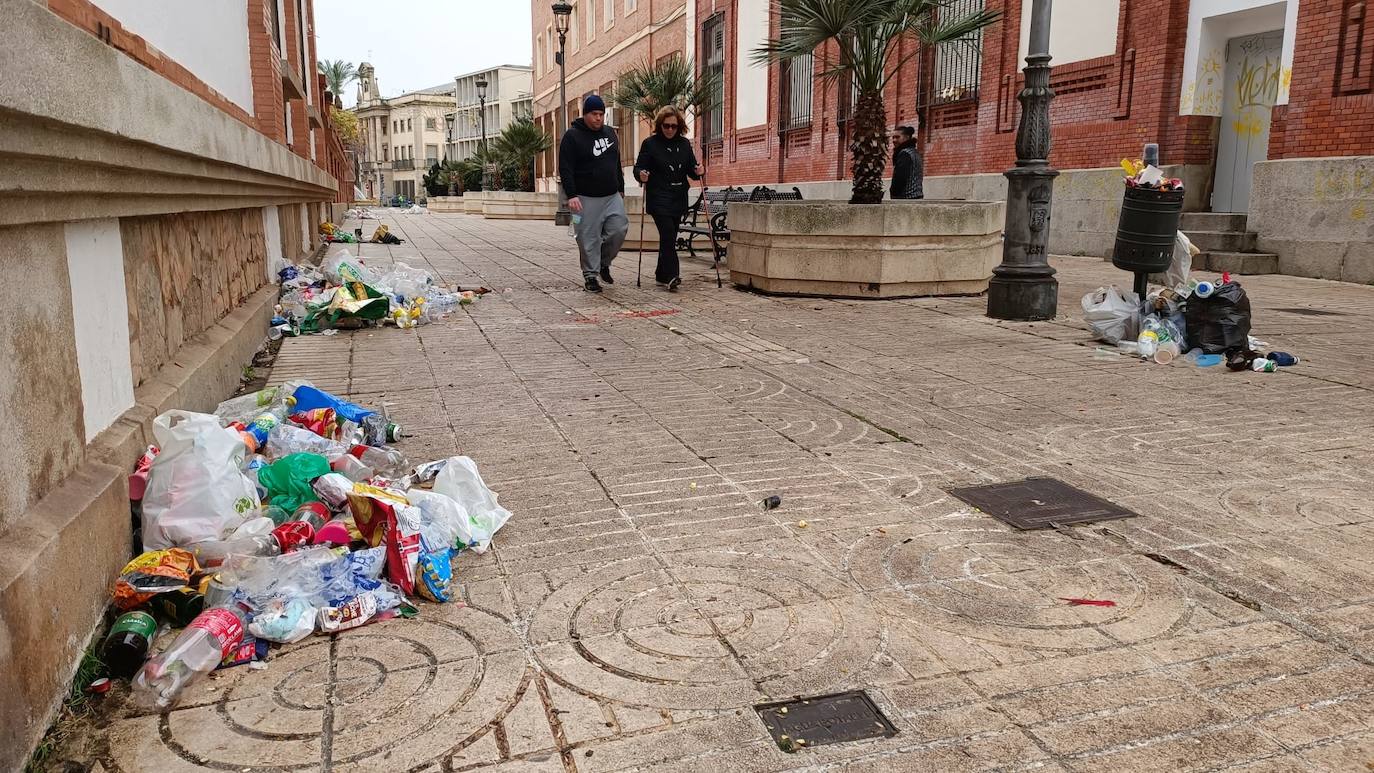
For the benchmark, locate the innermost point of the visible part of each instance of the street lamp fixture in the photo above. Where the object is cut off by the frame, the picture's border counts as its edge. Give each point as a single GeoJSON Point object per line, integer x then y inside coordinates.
{"type": "Point", "coordinates": [562, 19]}
{"type": "Point", "coordinates": [482, 111]}
{"type": "Point", "coordinates": [1023, 287]}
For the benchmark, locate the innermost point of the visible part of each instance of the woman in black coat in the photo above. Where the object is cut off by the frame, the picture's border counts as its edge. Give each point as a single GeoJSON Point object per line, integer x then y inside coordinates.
{"type": "Point", "coordinates": [665, 163]}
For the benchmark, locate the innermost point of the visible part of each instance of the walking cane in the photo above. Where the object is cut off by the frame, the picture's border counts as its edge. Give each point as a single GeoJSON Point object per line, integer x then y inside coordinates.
{"type": "Point", "coordinates": [643, 203]}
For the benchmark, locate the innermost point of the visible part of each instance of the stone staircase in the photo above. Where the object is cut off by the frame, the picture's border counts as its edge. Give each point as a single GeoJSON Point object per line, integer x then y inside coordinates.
{"type": "Point", "coordinates": [1225, 244]}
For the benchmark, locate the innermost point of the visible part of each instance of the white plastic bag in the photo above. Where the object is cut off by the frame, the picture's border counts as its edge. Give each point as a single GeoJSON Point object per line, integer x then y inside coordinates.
{"type": "Point", "coordinates": [196, 490]}
{"type": "Point", "coordinates": [342, 268]}
{"type": "Point", "coordinates": [1113, 316]}
{"type": "Point", "coordinates": [460, 480]}
{"type": "Point", "coordinates": [444, 523]}
{"type": "Point", "coordinates": [1176, 276]}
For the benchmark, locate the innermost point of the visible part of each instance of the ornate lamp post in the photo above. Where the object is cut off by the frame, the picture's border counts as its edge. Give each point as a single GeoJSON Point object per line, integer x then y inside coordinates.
{"type": "Point", "coordinates": [562, 17]}
{"type": "Point", "coordinates": [482, 111]}
{"type": "Point", "coordinates": [1023, 287]}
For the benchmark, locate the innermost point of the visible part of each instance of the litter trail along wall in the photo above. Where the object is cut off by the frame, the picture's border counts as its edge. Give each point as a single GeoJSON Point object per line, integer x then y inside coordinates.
{"type": "Point", "coordinates": [185, 272]}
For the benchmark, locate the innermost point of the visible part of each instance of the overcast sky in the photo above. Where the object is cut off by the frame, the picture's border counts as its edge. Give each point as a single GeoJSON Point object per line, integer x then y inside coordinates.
{"type": "Point", "coordinates": [416, 44]}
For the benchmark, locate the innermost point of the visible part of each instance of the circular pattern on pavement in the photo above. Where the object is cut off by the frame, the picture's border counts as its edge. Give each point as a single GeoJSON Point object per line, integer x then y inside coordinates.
{"type": "Point", "coordinates": [1009, 588]}
{"type": "Point", "coordinates": [711, 629]}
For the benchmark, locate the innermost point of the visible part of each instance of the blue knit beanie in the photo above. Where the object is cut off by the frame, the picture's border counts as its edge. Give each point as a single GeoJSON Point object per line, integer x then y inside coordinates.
{"type": "Point", "coordinates": [592, 103]}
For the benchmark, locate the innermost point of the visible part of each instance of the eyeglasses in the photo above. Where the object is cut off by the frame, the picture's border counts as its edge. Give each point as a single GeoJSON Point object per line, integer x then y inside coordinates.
{"type": "Point", "coordinates": [670, 126]}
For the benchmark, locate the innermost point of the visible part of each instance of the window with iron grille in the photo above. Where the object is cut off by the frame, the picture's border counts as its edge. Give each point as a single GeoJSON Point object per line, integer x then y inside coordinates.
{"type": "Point", "coordinates": [958, 63]}
{"type": "Point", "coordinates": [796, 97]}
{"type": "Point", "coordinates": [713, 56]}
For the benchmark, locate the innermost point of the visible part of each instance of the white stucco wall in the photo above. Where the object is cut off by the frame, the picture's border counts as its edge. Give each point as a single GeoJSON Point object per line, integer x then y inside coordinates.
{"type": "Point", "coordinates": [1079, 29]}
{"type": "Point", "coordinates": [207, 37]}
{"type": "Point", "coordinates": [751, 80]}
{"type": "Point", "coordinates": [1211, 23]}
{"type": "Point", "coordinates": [271, 228]}
{"type": "Point", "coordinates": [100, 320]}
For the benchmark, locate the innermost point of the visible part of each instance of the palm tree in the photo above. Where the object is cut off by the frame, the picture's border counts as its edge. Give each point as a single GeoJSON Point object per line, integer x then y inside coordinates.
{"type": "Point", "coordinates": [645, 88]}
{"type": "Point", "coordinates": [337, 75]}
{"type": "Point", "coordinates": [520, 144]}
{"type": "Point", "coordinates": [867, 33]}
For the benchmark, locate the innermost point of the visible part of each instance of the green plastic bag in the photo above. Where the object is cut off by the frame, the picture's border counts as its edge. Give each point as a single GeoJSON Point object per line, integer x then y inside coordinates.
{"type": "Point", "coordinates": [288, 480]}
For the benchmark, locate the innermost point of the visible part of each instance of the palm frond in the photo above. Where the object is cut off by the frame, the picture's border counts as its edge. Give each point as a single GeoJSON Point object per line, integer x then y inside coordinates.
{"type": "Point", "coordinates": [337, 74]}
{"type": "Point", "coordinates": [646, 88]}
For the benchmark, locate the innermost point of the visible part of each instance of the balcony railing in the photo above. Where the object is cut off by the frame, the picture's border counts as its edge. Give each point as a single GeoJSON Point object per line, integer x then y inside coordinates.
{"type": "Point", "coordinates": [403, 165]}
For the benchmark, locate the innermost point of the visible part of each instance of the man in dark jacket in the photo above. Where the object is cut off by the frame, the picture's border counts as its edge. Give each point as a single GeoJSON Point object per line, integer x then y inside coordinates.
{"type": "Point", "coordinates": [908, 170]}
{"type": "Point", "coordinates": [589, 168]}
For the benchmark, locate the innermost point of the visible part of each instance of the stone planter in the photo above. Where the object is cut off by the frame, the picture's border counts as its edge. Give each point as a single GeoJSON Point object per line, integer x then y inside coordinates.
{"type": "Point", "coordinates": [518, 205]}
{"type": "Point", "coordinates": [446, 204]}
{"type": "Point", "coordinates": [889, 250]}
{"type": "Point", "coordinates": [472, 202]}
{"type": "Point", "coordinates": [634, 207]}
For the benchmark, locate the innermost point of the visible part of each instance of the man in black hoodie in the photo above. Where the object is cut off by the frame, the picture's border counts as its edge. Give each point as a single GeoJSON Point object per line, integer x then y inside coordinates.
{"type": "Point", "coordinates": [589, 167]}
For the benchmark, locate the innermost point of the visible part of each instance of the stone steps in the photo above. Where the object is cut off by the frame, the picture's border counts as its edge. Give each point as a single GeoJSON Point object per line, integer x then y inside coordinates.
{"type": "Point", "coordinates": [1244, 263]}
{"type": "Point", "coordinates": [1211, 221]}
{"type": "Point", "coordinates": [1222, 241]}
{"type": "Point", "coordinates": [1225, 244]}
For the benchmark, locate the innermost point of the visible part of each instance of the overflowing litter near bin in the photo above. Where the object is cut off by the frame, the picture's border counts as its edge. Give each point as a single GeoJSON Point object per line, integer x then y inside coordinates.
{"type": "Point", "coordinates": [1180, 317]}
{"type": "Point", "coordinates": [283, 515]}
{"type": "Point", "coordinates": [347, 294]}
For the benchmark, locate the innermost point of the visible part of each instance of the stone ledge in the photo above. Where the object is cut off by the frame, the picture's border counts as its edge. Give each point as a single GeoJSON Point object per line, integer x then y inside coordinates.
{"type": "Point", "coordinates": [518, 205]}
{"type": "Point", "coordinates": [445, 204]}
{"type": "Point", "coordinates": [472, 202]}
{"type": "Point", "coordinates": [58, 561]}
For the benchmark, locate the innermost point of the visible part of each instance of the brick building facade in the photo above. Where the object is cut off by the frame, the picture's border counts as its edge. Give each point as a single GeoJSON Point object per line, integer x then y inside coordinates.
{"type": "Point", "coordinates": [605, 38]}
{"type": "Point", "coordinates": [289, 104]}
{"type": "Point", "coordinates": [1228, 88]}
{"type": "Point", "coordinates": [162, 158]}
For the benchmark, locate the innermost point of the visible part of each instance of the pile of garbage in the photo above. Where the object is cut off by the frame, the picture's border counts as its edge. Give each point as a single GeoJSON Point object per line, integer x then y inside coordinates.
{"type": "Point", "coordinates": [334, 234]}
{"type": "Point", "coordinates": [1182, 317]}
{"type": "Point", "coordinates": [284, 514]}
{"type": "Point", "coordinates": [346, 294]}
{"type": "Point", "coordinates": [414, 209]}
{"type": "Point", "coordinates": [1142, 174]}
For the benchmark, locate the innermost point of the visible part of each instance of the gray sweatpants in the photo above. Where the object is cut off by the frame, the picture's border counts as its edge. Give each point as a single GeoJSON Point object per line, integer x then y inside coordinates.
{"type": "Point", "coordinates": [601, 232]}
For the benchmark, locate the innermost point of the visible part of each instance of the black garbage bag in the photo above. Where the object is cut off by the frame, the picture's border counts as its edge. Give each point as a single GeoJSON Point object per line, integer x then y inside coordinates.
{"type": "Point", "coordinates": [1221, 321]}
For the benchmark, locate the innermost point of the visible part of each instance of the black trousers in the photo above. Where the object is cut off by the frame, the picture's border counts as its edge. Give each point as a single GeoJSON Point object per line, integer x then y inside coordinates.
{"type": "Point", "coordinates": [667, 247]}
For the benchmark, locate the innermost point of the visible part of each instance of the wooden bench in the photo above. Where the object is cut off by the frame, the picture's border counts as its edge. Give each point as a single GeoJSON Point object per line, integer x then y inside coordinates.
{"type": "Point", "coordinates": [707, 217]}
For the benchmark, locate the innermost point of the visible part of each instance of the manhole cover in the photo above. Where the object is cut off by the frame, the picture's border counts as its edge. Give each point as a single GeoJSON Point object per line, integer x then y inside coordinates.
{"type": "Point", "coordinates": [1313, 312]}
{"type": "Point", "coordinates": [846, 716]}
{"type": "Point", "coordinates": [1040, 503]}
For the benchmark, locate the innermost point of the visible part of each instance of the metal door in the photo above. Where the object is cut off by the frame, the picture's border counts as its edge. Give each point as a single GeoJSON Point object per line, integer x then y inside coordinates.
{"type": "Point", "coordinates": [1253, 67]}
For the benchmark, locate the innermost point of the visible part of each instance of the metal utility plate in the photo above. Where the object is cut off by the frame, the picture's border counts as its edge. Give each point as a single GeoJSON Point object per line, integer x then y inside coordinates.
{"type": "Point", "coordinates": [806, 722]}
{"type": "Point", "coordinates": [1313, 312]}
{"type": "Point", "coordinates": [1040, 503]}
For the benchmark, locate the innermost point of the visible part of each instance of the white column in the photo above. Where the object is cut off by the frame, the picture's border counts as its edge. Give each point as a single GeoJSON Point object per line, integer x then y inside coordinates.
{"type": "Point", "coordinates": [100, 318]}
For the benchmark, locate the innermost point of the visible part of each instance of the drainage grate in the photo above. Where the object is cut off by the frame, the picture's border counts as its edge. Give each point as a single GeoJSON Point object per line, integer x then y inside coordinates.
{"type": "Point", "coordinates": [804, 722]}
{"type": "Point", "coordinates": [1040, 503]}
{"type": "Point", "coordinates": [1313, 312]}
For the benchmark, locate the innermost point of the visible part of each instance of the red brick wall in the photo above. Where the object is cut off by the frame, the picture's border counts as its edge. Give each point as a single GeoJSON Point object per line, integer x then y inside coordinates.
{"type": "Point", "coordinates": [1330, 108]}
{"type": "Point", "coordinates": [655, 30]}
{"type": "Point", "coordinates": [1105, 108]}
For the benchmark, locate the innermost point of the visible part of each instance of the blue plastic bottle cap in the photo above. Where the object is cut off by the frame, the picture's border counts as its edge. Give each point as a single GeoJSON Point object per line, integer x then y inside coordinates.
{"type": "Point", "coordinates": [1204, 289]}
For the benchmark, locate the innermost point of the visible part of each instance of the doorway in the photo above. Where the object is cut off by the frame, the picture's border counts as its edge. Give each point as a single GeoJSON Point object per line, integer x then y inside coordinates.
{"type": "Point", "coordinates": [1254, 64]}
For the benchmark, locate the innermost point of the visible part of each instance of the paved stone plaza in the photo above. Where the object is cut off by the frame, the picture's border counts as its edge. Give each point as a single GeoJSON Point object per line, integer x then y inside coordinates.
{"type": "Point", "coordinates": [641, 602]}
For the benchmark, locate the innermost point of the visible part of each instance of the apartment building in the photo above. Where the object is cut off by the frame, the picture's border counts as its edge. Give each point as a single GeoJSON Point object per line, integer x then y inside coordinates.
{"type": "Point", "coordinates": [403, 136]}
{"type": "Point", "coordinates": [509, 95]}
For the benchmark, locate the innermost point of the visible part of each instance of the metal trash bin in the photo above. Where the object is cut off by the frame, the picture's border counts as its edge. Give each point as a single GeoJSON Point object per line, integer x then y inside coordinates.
{"type": "Point", "coordinates": [1146, 231]}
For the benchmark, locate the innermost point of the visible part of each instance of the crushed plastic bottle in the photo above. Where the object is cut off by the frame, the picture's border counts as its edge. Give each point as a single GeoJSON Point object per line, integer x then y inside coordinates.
{"type": "Point", "coordinates": [207, 641]}
{"type": "Point", "coordinates": [287, 439]}
{"type": "Point", "coordinates": [387, 461]}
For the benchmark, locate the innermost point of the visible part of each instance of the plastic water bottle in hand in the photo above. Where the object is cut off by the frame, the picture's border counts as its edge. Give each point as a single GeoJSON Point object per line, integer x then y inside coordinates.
{"type": "Point", "coordinates": [201, 647]}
